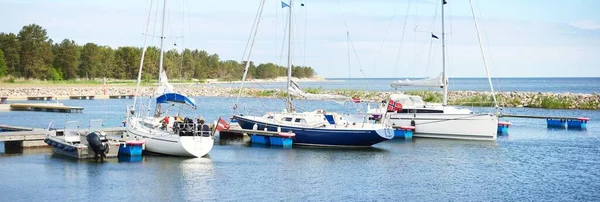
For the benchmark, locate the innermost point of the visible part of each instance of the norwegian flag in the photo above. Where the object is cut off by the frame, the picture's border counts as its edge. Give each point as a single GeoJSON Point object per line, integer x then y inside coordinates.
{"type": "Point", "coordinates": [390, 107]}
{"type": "Point", "coordinates": [222, 124]}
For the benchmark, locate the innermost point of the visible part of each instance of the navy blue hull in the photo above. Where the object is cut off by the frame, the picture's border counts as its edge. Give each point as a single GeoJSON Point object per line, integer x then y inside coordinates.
{"type": "Point", "coordinates": [321, 136]}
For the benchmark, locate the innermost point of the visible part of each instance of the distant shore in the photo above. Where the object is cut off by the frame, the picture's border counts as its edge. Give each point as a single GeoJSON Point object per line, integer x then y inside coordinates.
{"type": "Point", "coordinates": [465, 98]}
{"type": "Point", "coordinates": [278, 79]}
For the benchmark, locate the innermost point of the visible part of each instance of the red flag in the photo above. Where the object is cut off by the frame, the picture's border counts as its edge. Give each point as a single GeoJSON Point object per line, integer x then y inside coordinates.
{"type": "Point", "coordinates": [356, 100]}
{"type": "Point", "coordinates": [222, 124]}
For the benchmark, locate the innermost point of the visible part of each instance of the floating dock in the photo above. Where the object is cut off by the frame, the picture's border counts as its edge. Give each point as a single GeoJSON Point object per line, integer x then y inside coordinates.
{"type": "Point", "coordinates": [557, 121]}
{"type": "Point", "coordinates": [405, 132]}
{"type": "Point", "coordinates": [3, 99]}
{"type": "Point", "coordinates": [82, 97]}
{"type": "Point", "coordinates": [7, 128]}
{"type": "Point", "coordinates": [503, 127]}
{"type": "Point", "coordinates": [38, 97]}
{"type": "Point", "coordinates": [54, 107]}
{"type": "Point", "coordinates": [34, 137]}
{"type": "Point", "coordinates": [273, 138]}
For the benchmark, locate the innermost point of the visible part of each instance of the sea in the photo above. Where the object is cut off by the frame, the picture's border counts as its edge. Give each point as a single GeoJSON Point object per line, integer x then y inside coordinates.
{"type": "Point", "coordinates": [530, 163]}
{"type": "Point", "coordinates": [586, 85]}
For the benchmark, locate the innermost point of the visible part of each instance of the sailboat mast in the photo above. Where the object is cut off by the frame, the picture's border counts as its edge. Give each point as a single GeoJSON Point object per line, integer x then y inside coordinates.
{"type": "Point", "coordinates": [289, 65]}
{"type": "Point", "coordinates": [162, 38]}
{"type": "Point", "coordinates": [444, 76]}
{"type": "Point", "coordinates": [487, 71]}
{"type": "Point", "coordinates": [139, 77]}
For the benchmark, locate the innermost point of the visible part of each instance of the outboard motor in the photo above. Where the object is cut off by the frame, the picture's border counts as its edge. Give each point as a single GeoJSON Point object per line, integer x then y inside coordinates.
{"type": "Point", "coordinates": [96, 144]}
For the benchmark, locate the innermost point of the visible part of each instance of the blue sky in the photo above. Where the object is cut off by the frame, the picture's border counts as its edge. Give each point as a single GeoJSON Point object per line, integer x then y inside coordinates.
{"type": "Point", "coordinates": [523, 38]}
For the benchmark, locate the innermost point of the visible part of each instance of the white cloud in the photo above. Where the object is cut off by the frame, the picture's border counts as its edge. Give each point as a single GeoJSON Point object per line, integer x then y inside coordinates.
{"type": "Point", "coordinates": [586, 25]}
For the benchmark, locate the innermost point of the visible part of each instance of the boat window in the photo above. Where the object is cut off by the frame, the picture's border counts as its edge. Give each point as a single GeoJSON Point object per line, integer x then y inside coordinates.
{"type": "Point", "coordinates": [299, 120]}
{"type": "Point", "coordinates": [286, 119]}
{"type": "Point", "coordinates": [405, 101]}
{"type": "Point", "coordinates": [417, 100]}
{"type": "Point", "coordinates": [270, 117]}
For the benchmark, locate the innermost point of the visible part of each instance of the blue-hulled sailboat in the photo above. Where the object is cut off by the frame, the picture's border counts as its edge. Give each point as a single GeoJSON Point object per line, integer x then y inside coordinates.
{"type": "Point", "coordinates": [316, 128]}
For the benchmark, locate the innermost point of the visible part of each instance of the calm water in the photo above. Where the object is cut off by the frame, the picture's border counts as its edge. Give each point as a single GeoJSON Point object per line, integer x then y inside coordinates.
{"type": "Point", "coordinates": [532, 163]}
{"type": "Point", "coordinates": [557, 85]}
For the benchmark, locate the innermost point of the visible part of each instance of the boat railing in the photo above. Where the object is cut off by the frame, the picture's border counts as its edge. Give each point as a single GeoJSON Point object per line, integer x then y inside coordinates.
{"type": "Point", "coordinates": [190, 129]}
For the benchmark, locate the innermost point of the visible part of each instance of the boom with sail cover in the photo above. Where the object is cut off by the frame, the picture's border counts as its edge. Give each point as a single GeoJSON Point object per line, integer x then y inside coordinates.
{"type": "Point", "coordinates": [429, 82]}
{"type": "Point", "coordinates": [294, 89]}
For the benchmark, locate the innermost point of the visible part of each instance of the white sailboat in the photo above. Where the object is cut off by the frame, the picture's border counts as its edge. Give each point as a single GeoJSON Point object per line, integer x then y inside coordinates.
{"type": "Point", "coordinates": [164, 134]}
{"type": "Point", "coordinates": [438, 121]}
{"type": "Point", "coordinates": [314, 128]}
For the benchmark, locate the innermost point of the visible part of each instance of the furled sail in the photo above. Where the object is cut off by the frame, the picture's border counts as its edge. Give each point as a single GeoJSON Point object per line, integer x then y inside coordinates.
{"type": "Point", "coordinates": [428, 82]}
{"type": "Point", "coordinates": [164, 86]}
{"type": "Point", "coordinates": [294, 89]}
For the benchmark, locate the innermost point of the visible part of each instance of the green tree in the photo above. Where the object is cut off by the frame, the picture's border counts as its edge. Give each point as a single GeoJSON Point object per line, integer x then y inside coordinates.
{"type": "Point", "coordinates": [2, 64]}
{"type": "Point", "coordinates": [127, 62]}
{"type": "Point", "coordinates": [172, 63]}
{"type": "Point", "coordinates": [151, 60]}
{"type": "Point", "coordinates": [9, 44]}
{"type": "Point", "coordinates": [35, 56]}
{"type": "Point", "coordinates": [31, 54]}
{"type": "Point", "coordinates": [90, 61]}
{"type": "Point", "coordinates": [188, 64]}
{"type": "Point", "coordinates": [108, 62]}
{"type": "Point", "coordinates": [66, 58]}
{"type": "Point", "coordinates": [266, 71]}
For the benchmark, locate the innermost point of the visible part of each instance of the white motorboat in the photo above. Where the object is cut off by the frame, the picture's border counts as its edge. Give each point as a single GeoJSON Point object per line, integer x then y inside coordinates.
{"type": "Point", "coordinates": [73, 142]}
{"type": "Point", "coordinates": [435, 120]}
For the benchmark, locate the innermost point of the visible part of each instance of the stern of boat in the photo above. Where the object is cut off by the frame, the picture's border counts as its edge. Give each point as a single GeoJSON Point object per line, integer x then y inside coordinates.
{"type": "Point", "coordinates": [385, 132]}
{"type": "Point", "coordinates": [197, 146]}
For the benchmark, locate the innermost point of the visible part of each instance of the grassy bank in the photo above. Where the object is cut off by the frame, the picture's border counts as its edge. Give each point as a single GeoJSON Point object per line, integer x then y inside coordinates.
{"type": "Point", "coordinates": [468, 98]}
{"type": "Point", "coordinates": [463, 98]}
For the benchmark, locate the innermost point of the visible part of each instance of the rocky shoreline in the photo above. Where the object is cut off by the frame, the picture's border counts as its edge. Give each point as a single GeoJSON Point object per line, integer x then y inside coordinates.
{"type": "Point", "coordinates": [467, 98]}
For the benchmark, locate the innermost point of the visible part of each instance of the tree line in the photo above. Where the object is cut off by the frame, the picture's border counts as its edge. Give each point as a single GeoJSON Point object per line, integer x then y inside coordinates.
{"type": "Point", "coordinates": [31, 54]}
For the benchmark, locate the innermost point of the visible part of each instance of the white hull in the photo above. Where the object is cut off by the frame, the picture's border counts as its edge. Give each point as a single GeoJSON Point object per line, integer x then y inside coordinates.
{"type": "Point", "coordinates": [162, 142]}
{"type": "Point", "coordinates": [449, 126]}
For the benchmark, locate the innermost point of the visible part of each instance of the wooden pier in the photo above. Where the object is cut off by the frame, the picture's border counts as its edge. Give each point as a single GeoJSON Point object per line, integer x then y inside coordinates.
{"type": "Point", "coordinates": [54, 107]}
